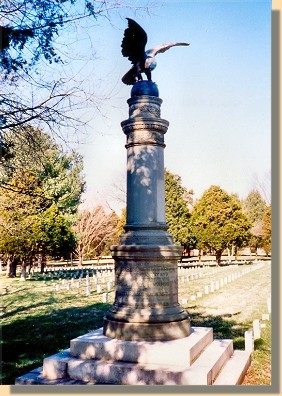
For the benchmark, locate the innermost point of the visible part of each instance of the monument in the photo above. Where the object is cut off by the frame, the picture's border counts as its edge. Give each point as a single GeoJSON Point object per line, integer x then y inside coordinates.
{"type": "Point", "coordinates": [146, 302]}
{"type": "Point", "coordinates": [146, 337]}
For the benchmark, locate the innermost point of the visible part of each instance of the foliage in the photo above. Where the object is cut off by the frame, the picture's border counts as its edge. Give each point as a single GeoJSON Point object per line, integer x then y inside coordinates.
{"type": "Point", "coordinates": [121, 222]}
{"type": "Point", "coordinates": [52, 233]}
{"type": "Point", "coordinates": [95, 230]}
{"type": "Point", "coordinates": [266, 231]}
{"type": "Point", "coordinates": [59, 173]}
{"type": "Point", "coordinates": [255, 207]}
{"type": "Point", "coordinates": [218, 222]}
{"type": "Point", "coordinates": [177, 201]}
{"type": "Point", "coordinates": [39, 195]}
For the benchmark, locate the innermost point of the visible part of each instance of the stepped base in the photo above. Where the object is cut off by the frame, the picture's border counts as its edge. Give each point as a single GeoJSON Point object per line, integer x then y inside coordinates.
{"type": "Point", "coordinates": [96, 359]}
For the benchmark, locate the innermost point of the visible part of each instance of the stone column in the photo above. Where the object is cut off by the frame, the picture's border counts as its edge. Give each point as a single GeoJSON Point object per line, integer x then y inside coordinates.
{"type": "Point", "coordinates": [146, 300]}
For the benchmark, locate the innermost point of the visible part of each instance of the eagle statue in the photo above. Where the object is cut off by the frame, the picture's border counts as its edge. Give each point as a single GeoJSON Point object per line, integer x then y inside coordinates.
{"type": "Point", "coordinates": [133, 48]}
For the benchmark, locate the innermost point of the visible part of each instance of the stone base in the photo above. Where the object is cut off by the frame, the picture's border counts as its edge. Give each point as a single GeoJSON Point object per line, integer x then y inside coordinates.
{"type": "Point", "coordinates": [146, 331]}
{"type": "Point", "coordinates": [146, 299]}
{"type": "Point", "coordinates": [96, 359]}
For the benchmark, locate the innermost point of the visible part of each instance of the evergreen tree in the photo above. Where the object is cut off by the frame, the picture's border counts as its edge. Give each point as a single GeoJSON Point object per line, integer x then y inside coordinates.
{"type": "Point", "coordinates": [59, 173]}
{"type": "Point", "coordinates": [255, 208]}
{"type": "Point", "coordinates": [266, 231]}
{"type": "Point", "coordinates": [39, 195]}
{"type": "Point", "coordinates": [218, 222]}
{"type": "Point", "coordinates": [177, 201]}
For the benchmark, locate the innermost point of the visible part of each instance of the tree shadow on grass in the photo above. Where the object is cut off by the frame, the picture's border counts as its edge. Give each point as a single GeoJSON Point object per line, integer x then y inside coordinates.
{"type": "Point", "coordinates": [26, 342]}
{"type": "Point", "coordinates": [222, 327]}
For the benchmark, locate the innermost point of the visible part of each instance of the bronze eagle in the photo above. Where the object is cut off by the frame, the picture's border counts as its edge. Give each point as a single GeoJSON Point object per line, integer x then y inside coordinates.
{"type": "Point", "coordinates": [133, 48]}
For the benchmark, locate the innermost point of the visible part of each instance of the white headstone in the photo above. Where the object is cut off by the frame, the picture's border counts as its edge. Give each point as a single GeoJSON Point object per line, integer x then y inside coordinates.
{"type": "Point", "coordinates": [58, 287]}
{"type": "Point", "coordinates": [105, 297]}
{"type": "Point", "coordinates": [206, 289]}
{"type": "Point", "coordinates": [249, 341]}
{"type": "Point", "coordinates": [99, 289]}
{"type": "Point", "coordinates": [256, 327]}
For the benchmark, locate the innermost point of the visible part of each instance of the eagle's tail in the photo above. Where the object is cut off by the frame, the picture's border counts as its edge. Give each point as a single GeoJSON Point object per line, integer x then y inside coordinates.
{"type": "Point", "coordinates": [129, 77]}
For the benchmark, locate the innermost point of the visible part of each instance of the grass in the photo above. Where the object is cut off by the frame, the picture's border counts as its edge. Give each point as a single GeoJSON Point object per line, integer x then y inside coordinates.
{"type": "Point", "coordinates": [37, 321]}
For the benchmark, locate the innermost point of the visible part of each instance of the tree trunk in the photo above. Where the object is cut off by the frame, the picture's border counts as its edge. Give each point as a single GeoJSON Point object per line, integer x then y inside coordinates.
{"type": "Point", "coordinates": [218, 254]}
{"type": "Point", "coordinates": [8, 267]}
{"type": "Point", "coordinates": [229, 255]}
{"type": "Point", "coordinates": [236, 252]}
{"type": "Point", "coordinates": [43, 264]}
{"type": "Point", "coordinates": [80, 260]}
{"type": "Point", "coordinates": [23, 273]}
{"type": "Point", "coordinates": [11, 267]}
{"type": "Point", "coordinates": [200, 255]}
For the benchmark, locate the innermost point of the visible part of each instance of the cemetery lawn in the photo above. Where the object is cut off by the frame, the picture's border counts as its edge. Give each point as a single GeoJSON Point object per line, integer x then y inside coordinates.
{"type": "Point", "coordinates": [38, 321]}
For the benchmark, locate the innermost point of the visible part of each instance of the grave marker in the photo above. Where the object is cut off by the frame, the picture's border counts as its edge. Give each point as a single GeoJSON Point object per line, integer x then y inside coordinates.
{"type": "Point", "coordinates": [105, 297]}
{"type": "Point", "coordinates": [249, 341]}
{"type": "Point", "coordinates": [265, 316]}
{"type": "Point", "coordinates": [256, 327]}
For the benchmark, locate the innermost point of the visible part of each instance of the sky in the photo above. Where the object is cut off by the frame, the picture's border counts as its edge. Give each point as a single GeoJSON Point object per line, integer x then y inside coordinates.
{"type": "Point", "coordinates": [216, 96]}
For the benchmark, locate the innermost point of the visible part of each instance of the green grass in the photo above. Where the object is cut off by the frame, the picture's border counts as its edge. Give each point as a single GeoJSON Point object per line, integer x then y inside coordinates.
{"type": "Point", "coordinates": [37, 321]}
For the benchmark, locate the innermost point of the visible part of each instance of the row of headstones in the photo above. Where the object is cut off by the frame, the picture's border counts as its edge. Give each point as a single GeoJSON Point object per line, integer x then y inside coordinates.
{"type": "Point", "coordinates": [255, 333]}
{"type": "Point", "coordinates": [65, 269]}
{"type": "Point", "coordinates": [222, 282]}
{"type": "Point", "coordinates": [213, 270]}
{"type": "Point", "coordinates": [203, 274]}
{"type": "Point", "coordinates": [99, 287]}
{"type": "Point", "coordinates": [74, 274]}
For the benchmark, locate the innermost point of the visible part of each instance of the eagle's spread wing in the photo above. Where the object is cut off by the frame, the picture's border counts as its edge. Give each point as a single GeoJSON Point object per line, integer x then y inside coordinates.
{"type": "Point", "coordinates": [162, 48]}
{"type": "Point", "coordinates": [134, 41]}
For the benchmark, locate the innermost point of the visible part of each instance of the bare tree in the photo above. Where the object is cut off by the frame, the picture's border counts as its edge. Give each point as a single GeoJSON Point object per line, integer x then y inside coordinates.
{"type": "Point", "coordinates": [37, 39]}
{"type": "Point", "coordinates": [94, 229]}
{"type": "Point", "coordinates": [264, 186]}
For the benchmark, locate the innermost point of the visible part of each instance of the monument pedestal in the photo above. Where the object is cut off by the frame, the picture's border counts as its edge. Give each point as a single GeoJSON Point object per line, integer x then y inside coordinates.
{"type": "Point", "coordinates": [94, 359]}
{"type": "Point", "coordinates": [146, 300]}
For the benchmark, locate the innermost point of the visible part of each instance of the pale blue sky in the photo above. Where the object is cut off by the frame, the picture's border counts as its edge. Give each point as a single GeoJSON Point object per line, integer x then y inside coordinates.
{"type": "Point", "coordinates": [216, 95]}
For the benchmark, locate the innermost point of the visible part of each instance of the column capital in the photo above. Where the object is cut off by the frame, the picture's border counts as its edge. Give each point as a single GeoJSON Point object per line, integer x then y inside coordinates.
{"type": "Point", "coordinates": [145, 131]}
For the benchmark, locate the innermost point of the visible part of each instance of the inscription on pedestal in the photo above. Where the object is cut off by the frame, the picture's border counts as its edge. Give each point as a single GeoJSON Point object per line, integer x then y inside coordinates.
{"type": "Point", "coordinates": [146, 287]}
